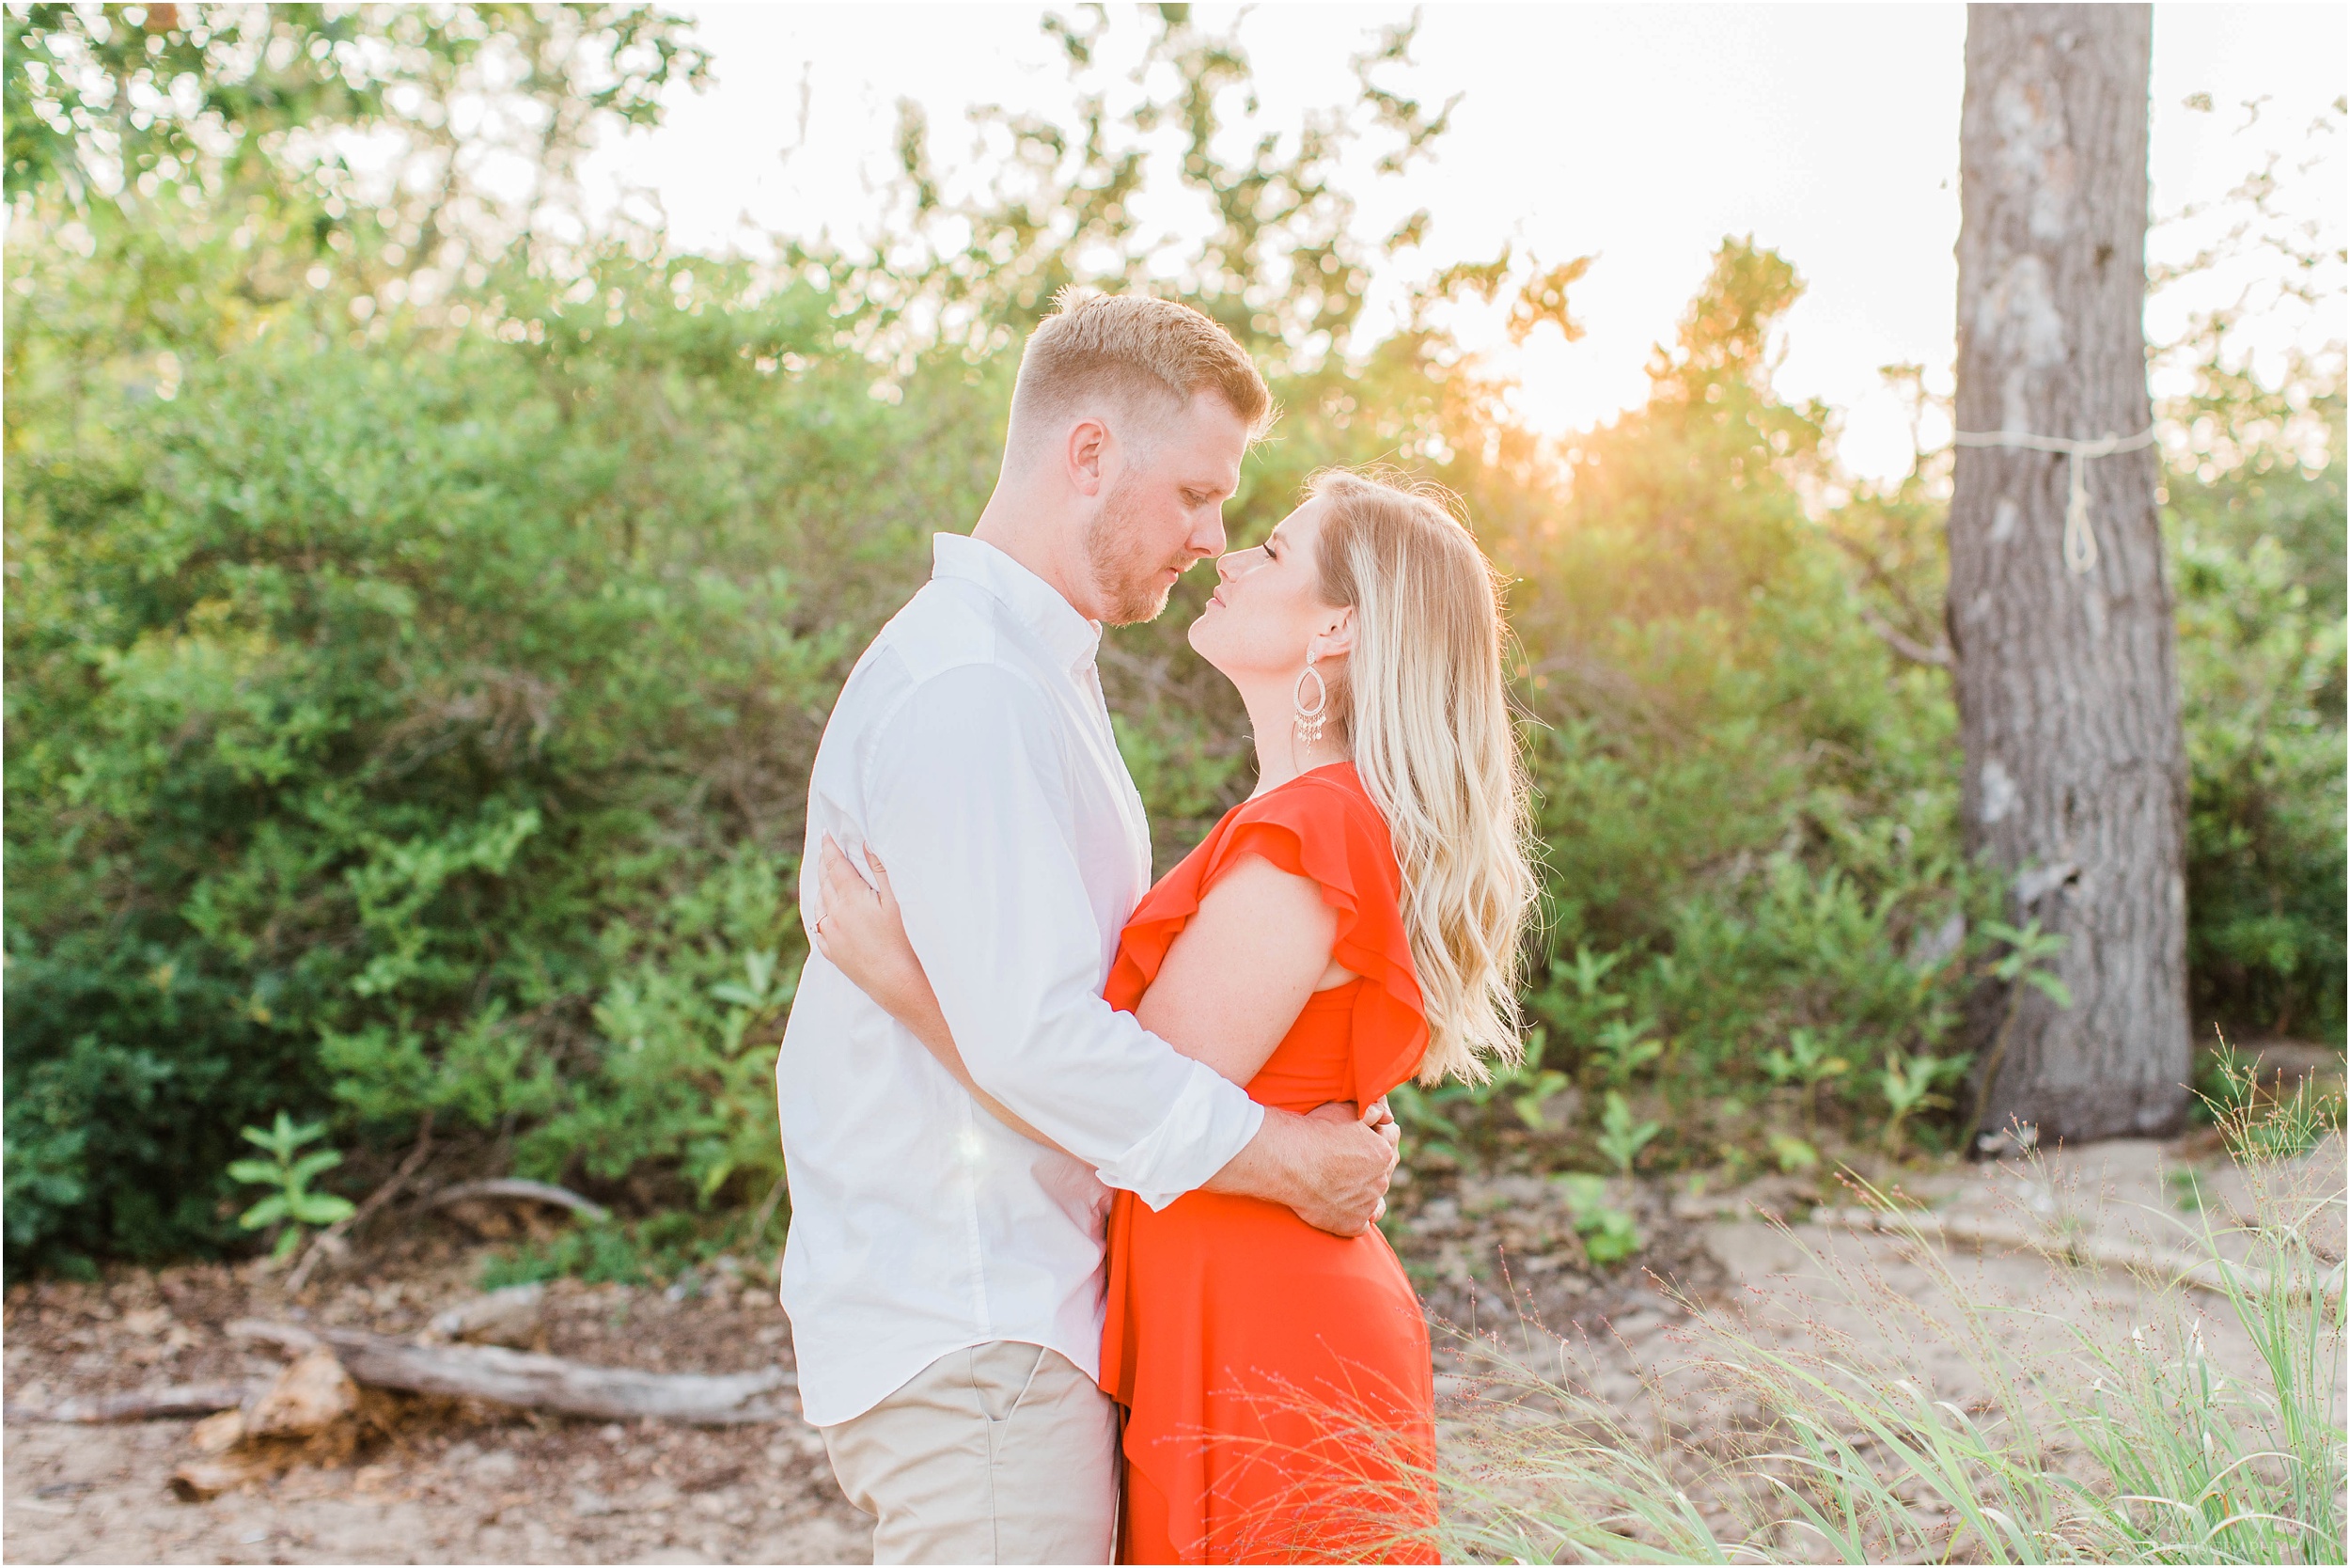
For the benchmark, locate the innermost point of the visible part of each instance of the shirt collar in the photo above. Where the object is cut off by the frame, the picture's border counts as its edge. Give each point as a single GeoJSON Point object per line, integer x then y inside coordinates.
{"type": "Point", "coordinates": [1069, 636]}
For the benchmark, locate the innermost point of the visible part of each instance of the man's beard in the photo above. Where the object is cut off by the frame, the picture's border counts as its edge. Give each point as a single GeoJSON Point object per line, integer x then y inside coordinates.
{"type": "Point", "coordinates": [1124, 577]}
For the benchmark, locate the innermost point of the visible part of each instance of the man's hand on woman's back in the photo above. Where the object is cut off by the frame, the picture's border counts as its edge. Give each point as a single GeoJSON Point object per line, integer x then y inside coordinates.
{"type": "Point", "coordinates": [1332, 1170]}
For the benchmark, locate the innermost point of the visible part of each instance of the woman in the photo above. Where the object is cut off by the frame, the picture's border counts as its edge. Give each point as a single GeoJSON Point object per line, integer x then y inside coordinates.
{"type": "Point", "coordinates": [1351, 925]}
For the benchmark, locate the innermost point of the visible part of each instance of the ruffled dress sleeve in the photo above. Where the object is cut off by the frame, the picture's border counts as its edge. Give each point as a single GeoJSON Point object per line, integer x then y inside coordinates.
{"type": "Point", "coordinates": [1322, 826]}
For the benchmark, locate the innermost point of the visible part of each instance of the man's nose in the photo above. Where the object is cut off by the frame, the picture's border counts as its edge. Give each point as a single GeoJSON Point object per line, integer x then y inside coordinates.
{"type": "Point", "coordinates": [1208, 540]}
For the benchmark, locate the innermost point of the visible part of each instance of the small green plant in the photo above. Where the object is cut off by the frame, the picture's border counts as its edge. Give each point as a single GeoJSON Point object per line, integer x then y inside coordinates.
{"type": "Point", "coordinates": [291, 1205]}
{"type": "Point", "coordinates": [2185, 1189]}
{"type": "Point", "coordinates": [1622, 1138]}
{"type": "Point", "coordinates": [1805, 1062]}
{"type": "Point", "coordinates": [1530, 1084]}
{"type": "Point", "coordinates": [1793, 1153]}
{"type": "Point", "coordinates": [1623, 1046]}
{"type": "Point", "coordinates": [1909, 1084]}
{"type": "Point", "coordinates": [2025, 963]}
{"type": "Point", "coordinates": [2028, 950]}
{"type": "Point", "coordinates": [1535, 1087]}
{"type": "Point", "coordinates": [1610, 1235]}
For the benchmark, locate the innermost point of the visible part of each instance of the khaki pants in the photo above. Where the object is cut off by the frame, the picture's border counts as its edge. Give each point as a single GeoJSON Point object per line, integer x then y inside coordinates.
{"type": "Point", "coordinates": [1004, 1452]}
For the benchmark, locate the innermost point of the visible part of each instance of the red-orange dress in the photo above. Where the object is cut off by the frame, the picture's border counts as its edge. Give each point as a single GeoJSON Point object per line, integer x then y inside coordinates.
{"type": "Point", "coordinates": [1280, 1402]}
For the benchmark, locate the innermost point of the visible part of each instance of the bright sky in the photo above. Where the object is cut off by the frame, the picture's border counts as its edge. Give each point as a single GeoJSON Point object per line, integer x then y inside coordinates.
{"type": "Point", "coordinates": [1642, 134]}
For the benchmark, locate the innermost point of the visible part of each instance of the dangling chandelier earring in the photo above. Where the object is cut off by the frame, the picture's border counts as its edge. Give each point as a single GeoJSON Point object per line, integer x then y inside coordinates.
{"type": "Point", "coordinates": [1309, 721]}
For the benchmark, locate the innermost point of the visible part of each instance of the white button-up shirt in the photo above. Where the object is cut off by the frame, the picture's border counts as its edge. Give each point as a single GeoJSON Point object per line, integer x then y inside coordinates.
{"type": "Point", "coordinates": [971, 749]}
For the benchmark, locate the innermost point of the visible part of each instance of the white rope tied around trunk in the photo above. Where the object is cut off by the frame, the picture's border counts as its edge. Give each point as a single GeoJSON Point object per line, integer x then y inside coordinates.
{"type": "Point", "coordinates": [2081, 539]}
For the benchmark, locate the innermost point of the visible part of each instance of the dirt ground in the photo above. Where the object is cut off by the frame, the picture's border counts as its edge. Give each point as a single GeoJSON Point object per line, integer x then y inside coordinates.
{"type": "Point", "coordinates": [443, 1482]}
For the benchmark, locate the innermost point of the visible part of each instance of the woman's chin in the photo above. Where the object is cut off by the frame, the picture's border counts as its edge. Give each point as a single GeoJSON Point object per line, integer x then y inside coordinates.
{"type": "Point", "coordinates": [1203, 643]}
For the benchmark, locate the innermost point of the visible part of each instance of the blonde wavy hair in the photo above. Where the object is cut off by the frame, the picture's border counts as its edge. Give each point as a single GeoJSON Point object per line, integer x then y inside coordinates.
{"type": "Point", "coordinates": [1426, 717]}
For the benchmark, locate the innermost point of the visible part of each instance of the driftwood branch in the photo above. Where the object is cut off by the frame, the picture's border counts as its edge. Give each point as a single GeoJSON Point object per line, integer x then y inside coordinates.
{"type": "Point", "coordinates": [2216, 1274]}
{"type": "Point", "coordinates": [521, 1191]}
{"type": "Point", "coordinates": [179, 1401]}
{"type": "Point", "coordinates": [330, 1239]}
{"type": "Point", "coordinates": [533, 1382]}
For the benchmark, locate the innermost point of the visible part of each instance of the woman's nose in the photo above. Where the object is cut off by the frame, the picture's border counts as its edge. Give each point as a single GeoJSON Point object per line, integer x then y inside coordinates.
{"type": "Point", "coordinates": [1224, 565]}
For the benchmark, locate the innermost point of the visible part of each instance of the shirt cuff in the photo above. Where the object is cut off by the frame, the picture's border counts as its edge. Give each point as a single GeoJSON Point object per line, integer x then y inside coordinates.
{"type": "Point", "coordinates": [1211, 1121]}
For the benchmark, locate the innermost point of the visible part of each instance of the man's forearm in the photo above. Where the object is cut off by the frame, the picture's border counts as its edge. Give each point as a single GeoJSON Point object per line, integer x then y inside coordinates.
{"type": "Point", "coordinates": [1268, 1167]}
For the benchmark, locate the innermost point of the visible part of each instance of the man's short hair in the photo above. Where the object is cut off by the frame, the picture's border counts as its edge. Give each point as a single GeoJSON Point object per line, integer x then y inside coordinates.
{"type": "Point", "coordinates": [1135, 348]}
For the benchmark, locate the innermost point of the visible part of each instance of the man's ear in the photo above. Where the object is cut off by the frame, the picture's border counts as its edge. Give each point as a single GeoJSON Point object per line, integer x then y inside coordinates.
{"type": "Point", "coordinates": [1088, 454]}
{"type": "Point", "coordinates": [1335, 640]}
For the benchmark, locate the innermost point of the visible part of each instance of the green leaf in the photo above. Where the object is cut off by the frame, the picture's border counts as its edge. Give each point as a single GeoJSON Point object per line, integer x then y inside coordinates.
{"type": "Point", "coordinates": [311, 1164]}
{"type": "Point", "coordinates": [323, 1208]}
{"type": "Point", "coordinates": [269, 1211]}
{"type": "Point", "coordinates": [2049, 986]}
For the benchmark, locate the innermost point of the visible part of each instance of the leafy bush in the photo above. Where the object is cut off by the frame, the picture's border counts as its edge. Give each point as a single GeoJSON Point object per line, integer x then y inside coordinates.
{"type": "Point", "coordinates": [409, 726]}
{"type": "Point", "coordinates": [2261, 654]}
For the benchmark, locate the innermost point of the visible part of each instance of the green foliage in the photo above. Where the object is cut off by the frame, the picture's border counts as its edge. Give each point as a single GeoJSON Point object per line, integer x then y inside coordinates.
{"type": "Point", "coordinates": [1621, 1137]}
{"type": "Point", "coordinates": [2027, 951]}
{"type": "Point", "coordinates": [1909, 1084]}
{"type": "Point", "coordinates": [291, 1205]}
{"type": "Point", "coordinates": [1609, 1234]}
{"type": "Point", "coordinates": [649, 1252]}
{"type": "Point", "coordinates": [1805, 1062]}
{"type": "Point", "coordinates": [2261, 655]}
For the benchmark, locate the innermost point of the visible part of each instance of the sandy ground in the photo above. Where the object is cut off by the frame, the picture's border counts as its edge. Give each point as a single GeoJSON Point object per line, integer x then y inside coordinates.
{"type": "Point", "coordinates": [446, 1482]}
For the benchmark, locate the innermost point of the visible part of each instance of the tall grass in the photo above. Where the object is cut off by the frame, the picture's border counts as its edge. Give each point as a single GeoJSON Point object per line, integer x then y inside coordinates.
{"type": "Point", "coordinates": [2081, 1434]}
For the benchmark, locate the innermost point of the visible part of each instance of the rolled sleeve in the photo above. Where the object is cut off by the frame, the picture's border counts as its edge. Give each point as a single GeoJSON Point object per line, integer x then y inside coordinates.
{"type": "Point", "coordinates": [970, 812]}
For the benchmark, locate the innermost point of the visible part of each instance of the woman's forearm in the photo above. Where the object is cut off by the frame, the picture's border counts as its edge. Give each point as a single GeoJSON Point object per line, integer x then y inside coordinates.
{"type": "Point", "coordinates": [929, 1026]}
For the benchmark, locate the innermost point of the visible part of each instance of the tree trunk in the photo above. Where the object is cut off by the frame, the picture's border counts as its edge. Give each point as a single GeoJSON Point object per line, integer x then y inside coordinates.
{"type": "Point", "coordinates": [2076, 779]}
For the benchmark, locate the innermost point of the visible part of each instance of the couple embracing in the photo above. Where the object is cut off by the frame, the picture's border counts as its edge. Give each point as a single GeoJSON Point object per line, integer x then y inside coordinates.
{"type": "Point", "coordinates": [1085, 1169]}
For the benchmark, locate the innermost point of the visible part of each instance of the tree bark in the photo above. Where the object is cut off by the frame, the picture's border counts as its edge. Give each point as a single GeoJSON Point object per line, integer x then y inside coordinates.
{"type": "Point", "coordinates": [2076, 778]}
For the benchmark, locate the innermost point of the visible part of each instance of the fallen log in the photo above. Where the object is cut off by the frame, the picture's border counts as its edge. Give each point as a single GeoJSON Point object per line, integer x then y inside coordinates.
{"type": "Point", "coordinates": [2217, 1276]}
{"type": "Point", "coordinates": [534, 1382]}
{"type": "Point", "coordinates": [511, 1317]}
{"type": "Point", "coordinates": [516, 1189]}
{"type": "Point", "coordinates": [179, 1401]}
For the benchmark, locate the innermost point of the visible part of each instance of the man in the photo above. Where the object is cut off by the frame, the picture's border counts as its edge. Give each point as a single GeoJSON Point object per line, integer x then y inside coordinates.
{"type": "Point", "coordinates": [943, 1273]}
